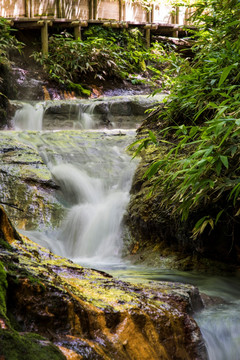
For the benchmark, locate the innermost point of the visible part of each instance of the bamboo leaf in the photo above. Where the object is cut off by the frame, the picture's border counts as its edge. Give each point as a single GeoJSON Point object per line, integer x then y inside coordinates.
{"type": "Point", "coordinates": [225, 74]}
{"type": "Point", "coordinates": [218, 167]}
{"type": "Point", "coordinates": [224, 160]}
{"type": "Point", "coordinates": [152, 137]}
{"type": "Point", "coordinates": [218, 216]}
{"type": "Point", "coordinates": [153, 169]}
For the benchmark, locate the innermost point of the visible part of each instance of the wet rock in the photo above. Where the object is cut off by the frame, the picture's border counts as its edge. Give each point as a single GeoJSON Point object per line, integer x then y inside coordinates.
{"type": "Point", "coordinates": [26, 185]}
{"type": "Point", "coordinates": [210, 301]}
{"type": "Point", "coordinates": [101, 107]}
{"type": "Point", "coordinates": [154, 226]}
{"type": "Point", "coordinates": [88, 314]}
{"type": "Point", "coordinates": [121, 108]}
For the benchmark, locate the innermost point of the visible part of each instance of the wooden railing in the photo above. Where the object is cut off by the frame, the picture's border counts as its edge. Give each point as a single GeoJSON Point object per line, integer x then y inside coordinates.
{"type": "Point", "coordinates": [40, 14]}
{"type": "Point", "coordinates": [118, 10]}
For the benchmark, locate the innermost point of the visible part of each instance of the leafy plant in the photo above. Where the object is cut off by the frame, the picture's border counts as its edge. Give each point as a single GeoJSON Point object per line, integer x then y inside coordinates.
{"type": "Point", "coordinates": [103, 54]}
{"type": "Point", "coordinates": [200, 171]}
{"type": "Point", "coordinates": [7, 41]}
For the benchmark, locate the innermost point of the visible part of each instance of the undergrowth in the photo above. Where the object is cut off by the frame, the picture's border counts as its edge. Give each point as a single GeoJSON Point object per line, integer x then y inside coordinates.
{"type": "Point", "coordinates": [103, 54]}
{"type": "Point", "coordinates": [200, 123]}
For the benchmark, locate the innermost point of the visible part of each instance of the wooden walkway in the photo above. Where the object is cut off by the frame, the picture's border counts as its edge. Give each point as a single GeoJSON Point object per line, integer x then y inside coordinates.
{"type": "Point", "coordinates": [43, 24]}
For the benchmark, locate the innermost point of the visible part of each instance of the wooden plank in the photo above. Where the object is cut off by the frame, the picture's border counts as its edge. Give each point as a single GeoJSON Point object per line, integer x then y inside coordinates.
{"type": "Point", "coordinates": [31, 24]}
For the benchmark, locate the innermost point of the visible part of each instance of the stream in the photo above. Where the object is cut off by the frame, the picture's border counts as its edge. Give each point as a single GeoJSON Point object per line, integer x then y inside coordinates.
{"type": "Point", "coordinates": [94, 173]}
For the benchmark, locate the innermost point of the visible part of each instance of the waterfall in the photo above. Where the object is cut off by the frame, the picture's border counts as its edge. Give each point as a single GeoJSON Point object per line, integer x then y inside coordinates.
{"type": "Point", "coordinates": [29, 117]}
{"type": "Point", "coordinates": [86, 118]}
{"type": "Point", "coordinates": [84, 114]}
{"type": "Point", "coordinates": [94, 174]}
{"type": "Point", "coordinates": [96, 196]}
{"type": "Point", "coordinates": [220, 327]}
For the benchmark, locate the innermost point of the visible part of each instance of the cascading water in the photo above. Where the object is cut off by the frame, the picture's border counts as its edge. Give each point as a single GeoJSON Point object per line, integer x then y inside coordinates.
{"type": "Point", "coordinates": [94, 174]}
{"type": "Point", "coordinates": [219, 322]}
{"type": "Point", "coordinates": [91, 231]}
{"type": "Point", "coordinates": [220, 327]}
{"type": "Point", "coordinates": [85, 117]}
{"type": "Point", "coordinates": [29, 117]}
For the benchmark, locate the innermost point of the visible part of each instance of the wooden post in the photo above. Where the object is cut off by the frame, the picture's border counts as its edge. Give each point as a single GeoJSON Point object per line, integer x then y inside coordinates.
{"type": "Point", "coordinates": [44, 38]}
{"type": "Point", "coordinates": [152, 13]}
{"type": "Point", "coordinates": [27, 8]}
{"type": "Point", "coordinates": [148, 16]}
{"type": "Point", "coordinates": [175, 20]}
{"type": "Point", "coordinates": [95, 9]}
{"type": "Point", "coordinates": [124, 11]}
{"type": "Point", "coordinates": [90, 9]}
{"type": "Point", "coordinates": [177, 15]}
{"type": "Point", "coordinates": [120, 4]}
{"type": "Point", "coordinates": [147, 28]}
{"type": "Point", "coordinates": [77, 32]}
{"type": "Point", "coordinates": [148, 37]}
{"type": "Point", "coordinates": [59, 9]}
{"type": "Point", "coordinates": [186, 15]}
{"type": "Point", "coordinates": [62, 4]}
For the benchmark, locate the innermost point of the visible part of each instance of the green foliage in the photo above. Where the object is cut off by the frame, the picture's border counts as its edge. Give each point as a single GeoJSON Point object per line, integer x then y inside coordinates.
{"type": "Point", "coordinates": [7, 41]}
{"type": "Point", "coordinates": [3, 287]}
{"type": "Point", "coordinates": [104, 53]}
{"type": "Point", "coordinates": [15, 346]}
{"type": "Point", "coordinates": [18, 346]}
{"type": "Point", "coordinates": [200, 172]}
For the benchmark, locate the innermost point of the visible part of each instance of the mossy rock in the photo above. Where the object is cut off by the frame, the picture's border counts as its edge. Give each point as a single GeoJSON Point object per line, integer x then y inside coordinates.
{"type": "Point", "coordinates": [15, 346]}
{"type": "Point", "coordinates": [27, 188]}
{"type": "Point", "coordinates": [88, 314]}
{"type": "Point", "coordinates": [151, 222]}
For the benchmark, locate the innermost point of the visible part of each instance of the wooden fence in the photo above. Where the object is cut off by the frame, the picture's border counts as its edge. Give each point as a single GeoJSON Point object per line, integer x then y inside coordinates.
{"type": "Point", "coordinates": [118, 10]}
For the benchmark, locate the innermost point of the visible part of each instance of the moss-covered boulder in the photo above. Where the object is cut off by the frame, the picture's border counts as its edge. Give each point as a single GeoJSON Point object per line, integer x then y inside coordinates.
{"type": "Point", "coordinates": [157, 235]}
{"type": "Point", "coordinates": [27, 188]}
{"type": "Point", "coordinates": [55, 309]}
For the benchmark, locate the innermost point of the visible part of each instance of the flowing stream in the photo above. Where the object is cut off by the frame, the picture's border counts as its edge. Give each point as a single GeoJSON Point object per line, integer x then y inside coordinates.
{"type": "Point", "coordinates": [94, 172]}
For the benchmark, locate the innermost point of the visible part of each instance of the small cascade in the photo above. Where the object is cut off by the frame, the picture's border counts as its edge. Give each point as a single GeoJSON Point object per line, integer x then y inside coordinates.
{"type": "Point", "coordinates": [94, 175]}
{"type": "Point", "coordinates": [86, 118]}
{"type": "Point", "coordinates": [220, 327]}
{"type": "Point", "coordinates": [91, 231]}
{"type": "Point", "coordinates": [29, 117]}
{"type": "Point", "coordinates": [92, 228]}
{"type": "Point", "coordinates": [92, 169]}
{"type": "Point", "coordinates": [83, 114]}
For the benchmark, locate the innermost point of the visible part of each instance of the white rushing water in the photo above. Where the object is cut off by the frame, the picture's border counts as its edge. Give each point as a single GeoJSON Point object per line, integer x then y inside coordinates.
{"type": "Point", "coordinates": [91, 231]}
{"type": "Point", "coordinates": [94, 173]}
{"type": "Point", "coordinates": [29, 117]}
{"type": "Point", "coordinates": [220, 327]}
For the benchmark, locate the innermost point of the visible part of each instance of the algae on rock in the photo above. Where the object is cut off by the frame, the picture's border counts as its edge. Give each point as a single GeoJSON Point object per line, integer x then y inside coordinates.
{"type": "Point", "coordinates": [26, 185]}
{"type": "Point", "coordinates": [90, 315]}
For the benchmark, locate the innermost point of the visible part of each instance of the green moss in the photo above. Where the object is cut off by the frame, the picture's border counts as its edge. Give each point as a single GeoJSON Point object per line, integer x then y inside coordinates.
{"type": "Point", "coordinates": [14, 346]}
{"type": "Point", "coordinates": [79, 89]}
{"type": "Point", "coordinates": [3, 287]}
{"type": "Point", "coordinates": [5, 245]}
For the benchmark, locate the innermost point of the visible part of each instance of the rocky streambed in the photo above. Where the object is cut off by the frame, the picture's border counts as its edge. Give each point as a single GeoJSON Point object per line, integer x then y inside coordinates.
{"type": "Point", "coordinates": [51, 308]}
